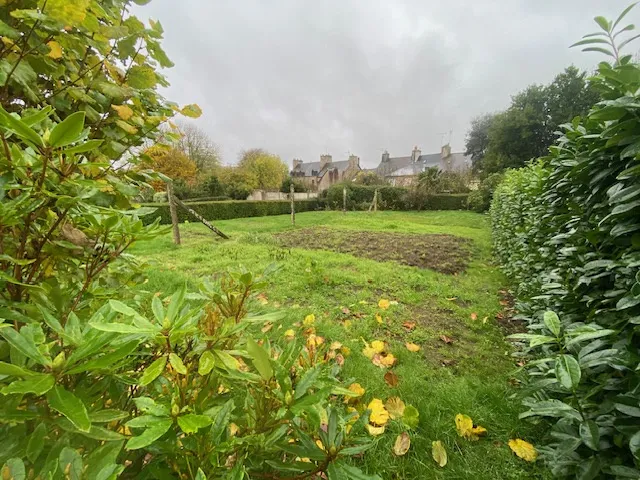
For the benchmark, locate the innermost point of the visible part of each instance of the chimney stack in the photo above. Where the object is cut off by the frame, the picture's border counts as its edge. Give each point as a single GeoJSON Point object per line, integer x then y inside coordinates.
{"type": "Point", "coordinates": [415, 154]}
{"type": "Point", "coordinates": [324, 160]}
{"type": "Point", "coordinates": [385, 157]}
{"type": "Point", "coordinates": [297, 163]}
{"type": "Point", "coordinates": [445, 152]}
{"type": "Point", "coordinates": [354, 161]}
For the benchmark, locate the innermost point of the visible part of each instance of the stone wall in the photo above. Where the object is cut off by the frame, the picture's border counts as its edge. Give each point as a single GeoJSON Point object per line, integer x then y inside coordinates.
{"type": "Point", "coordinates": [264, 195]}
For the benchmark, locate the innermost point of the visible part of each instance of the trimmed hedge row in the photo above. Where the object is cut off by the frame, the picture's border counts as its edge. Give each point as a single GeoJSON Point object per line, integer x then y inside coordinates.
{"type": "Point", "coordinates": [359, 197]}
{"type": "Point", "coordinates": [389, 199]}
{"type": "Point", "coordinates": [230, 209]}
{"type": "Point", "coordinates": [567, 231]}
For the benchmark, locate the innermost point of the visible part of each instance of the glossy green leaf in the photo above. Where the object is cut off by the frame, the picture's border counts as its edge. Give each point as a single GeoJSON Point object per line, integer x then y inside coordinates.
{"type": "Point", "coordinates": [590, 434]}
{"type": "Point", "coordinates": [153, 432]}
{"type": "Point", "coordinates": [153, 371]}
{"type": "Point", "coordinates": [568, 371]}
{"type": "Point", "coordinates": [260, 358]}
{"type": "Point", "coordinates": [177, 364]}
{"type": "Point", "coordinates": [552, 322]}
{"type": "Point", "coordinates": [36, 442]}
{"type": "Point", "coordinates": [36, 384]}
{"type": "Point", "coordinates": [24, 345]}
{"type": "Point", "coordinates": [15, 469]}
{"type": "Point", "coordinates": [71, 463]}
{"type": "Point", "coordinates": [206, 363]}
{"type": "Point", "coordinates": [19, 128]}
{"type": "Point", "coordinates": [67, 404]}
{"type": "Point", "coordinates": [68, 131]}
{"type": "Point", "coordinates": [105, 361]}
{"type": "Point", "coordinates": [307, 381]}
{"type": "Point", "coordinates": [14, 370]}
{"type": "Point", "coordinates": [191, 423]}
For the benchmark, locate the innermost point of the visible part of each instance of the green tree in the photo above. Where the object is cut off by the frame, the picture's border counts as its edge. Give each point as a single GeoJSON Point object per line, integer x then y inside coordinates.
{"type": "Point", "coordinates": [477, 140]}
{"type": "Point", "coordinates": [297, 186]}
{"type": "Point", "coordinates": [528, 127]}
{"type": "Point", "coordinates": [268, 169]}
{"type": "Point", "coordinates": [238, 183]}
{"type": "Point", "coordinates": [369, 178]}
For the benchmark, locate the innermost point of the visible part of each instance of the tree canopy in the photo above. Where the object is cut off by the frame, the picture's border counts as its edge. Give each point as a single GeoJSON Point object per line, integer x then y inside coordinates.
{"type": "Point", "coordinates": [528, 127]}
{"type": "Point", "coordinates": [268, 169]}
{"type": "Point", "coordinates": [196, 144]}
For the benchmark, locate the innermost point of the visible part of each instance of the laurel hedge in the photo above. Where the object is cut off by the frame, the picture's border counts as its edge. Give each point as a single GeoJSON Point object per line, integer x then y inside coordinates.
{"type": "Point", "coordinates": [230, 209]}
{"type": "Point", "coordinates": [359, 197]}
{"type": "Point", "coordinates": [567, 233]}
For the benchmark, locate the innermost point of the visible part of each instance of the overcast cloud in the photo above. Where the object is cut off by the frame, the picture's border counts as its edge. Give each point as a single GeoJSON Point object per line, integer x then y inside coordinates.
{"type": "Point", "coordinates": [300, 78]}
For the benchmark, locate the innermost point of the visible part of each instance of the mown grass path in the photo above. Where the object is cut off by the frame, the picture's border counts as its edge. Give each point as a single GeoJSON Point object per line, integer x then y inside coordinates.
{"type": "Point", "coordinates": [469, 375]}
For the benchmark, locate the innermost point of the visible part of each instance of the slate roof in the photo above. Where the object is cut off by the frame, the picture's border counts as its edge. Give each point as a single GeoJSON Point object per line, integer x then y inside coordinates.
{"type": "Point", "coordinates": [308, 168]}
{"type": "Point", "coordinates": [403, 166]}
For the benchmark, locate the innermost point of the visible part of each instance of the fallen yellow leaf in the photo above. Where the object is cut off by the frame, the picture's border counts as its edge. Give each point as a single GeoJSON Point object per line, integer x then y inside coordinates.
{"type": "Point", "coordinates": [379, 415]}
{"type": "Point", "coordinates": [438, 453]}
{"type": "Point", "coordinates": [335, 346]}
{"type": "Point", "coordinates": [466, 429]}
{"type": "Point", "coordinates": [523, 449]}
{"type": "Point", "coordinates": [403, 442]}
{"type": "Point", "coordinates": [378, 318]}
{"type": "Point", "coordinates": [370, 350]}
{"type": "Point", "coordinates": [309, 320]}
{"type": "Point", "coordinates": [55, 50]}
{"type": "Point", "coordinates": [314, 340]}
{"type": "Point", "coordinates": [383, 360]}
{"type": "Point", "coordinates": [412, 347]}
{"type": "Point", "coordinates": [375, 431]}
{"type": "Point", "coordinates": [289, 334]}
{"type": "Point", "coordinates": [357, 389]}
{"type": "Point", "coordinates": [395, 406]}
{"type": "Point", "coordinates": [384, 303]}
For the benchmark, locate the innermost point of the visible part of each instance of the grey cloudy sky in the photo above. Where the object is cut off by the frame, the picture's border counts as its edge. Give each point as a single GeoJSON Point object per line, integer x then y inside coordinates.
{"type": "Point", "coordinates": [300, 78]}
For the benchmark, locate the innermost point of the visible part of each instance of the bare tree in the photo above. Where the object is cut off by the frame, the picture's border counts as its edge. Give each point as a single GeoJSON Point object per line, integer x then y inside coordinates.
{"type": "Point", "coordinates": [198, 146]}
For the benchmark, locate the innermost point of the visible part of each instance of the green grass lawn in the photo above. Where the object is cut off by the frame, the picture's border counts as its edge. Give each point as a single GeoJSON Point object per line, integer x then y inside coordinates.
{"type": "Point", "coordinates": [470, 375]}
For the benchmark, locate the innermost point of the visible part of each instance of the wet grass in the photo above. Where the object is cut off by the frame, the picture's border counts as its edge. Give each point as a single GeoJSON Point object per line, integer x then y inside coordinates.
{"type": "Point", "coordinates": [470, 374]}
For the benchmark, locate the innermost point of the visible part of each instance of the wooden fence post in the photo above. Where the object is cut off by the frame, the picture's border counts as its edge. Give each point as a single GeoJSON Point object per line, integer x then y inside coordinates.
{"type": "Point", "coordinates": [344, 200]}
{"type": "Point", "coordinates": [293, 206]}
{"type": "Point", "coordinates": [174, 213]}
{"type": "Point", "coordinates": [374, 202]}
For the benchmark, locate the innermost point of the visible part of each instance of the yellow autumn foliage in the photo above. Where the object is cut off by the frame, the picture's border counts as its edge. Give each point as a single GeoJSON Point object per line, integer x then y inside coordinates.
{"type": "Point", "coordinates": [123, 111]}
{"type": "Point", "coordinates": [384, 303]}
{"type": "Point", "coordinates": [55, 50]}
{"type": "Point", "coordinates": [523, 449]}
{"type": "Point", "coordinates": [379, 414]}
{"type": "Point", "coordinates": [466, 429]}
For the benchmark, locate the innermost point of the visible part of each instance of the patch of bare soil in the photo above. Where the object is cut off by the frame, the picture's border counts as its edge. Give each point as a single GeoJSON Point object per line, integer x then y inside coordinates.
{"type": "Point", "coordinates": [439, 252]}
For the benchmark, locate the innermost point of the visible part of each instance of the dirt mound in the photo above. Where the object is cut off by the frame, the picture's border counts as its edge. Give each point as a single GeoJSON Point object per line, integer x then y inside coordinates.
{"type": "Point", "coordinates": [442, 253]}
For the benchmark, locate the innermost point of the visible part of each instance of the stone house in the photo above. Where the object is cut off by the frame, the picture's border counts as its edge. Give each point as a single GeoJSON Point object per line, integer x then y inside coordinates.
{"type": "Point", "coordinates": [319, 176]}
{"type": "Point", "coordinates": [403, 171]}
